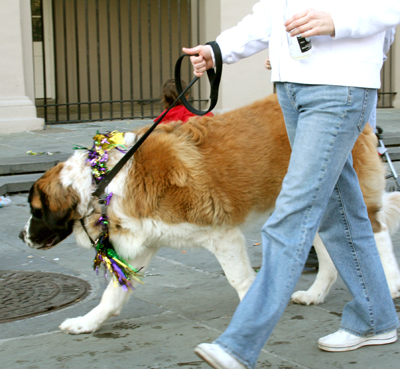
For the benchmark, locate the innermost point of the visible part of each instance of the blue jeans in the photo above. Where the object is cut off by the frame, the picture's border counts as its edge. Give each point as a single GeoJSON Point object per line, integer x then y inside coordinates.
{"type": "Point", "coordinates": [320, 189]}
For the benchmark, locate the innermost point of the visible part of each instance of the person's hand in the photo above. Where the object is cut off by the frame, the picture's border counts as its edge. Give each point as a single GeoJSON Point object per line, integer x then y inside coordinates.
{"type": "Point", "coordinates": [310, 23]}
{"type": "Point", "coordinates": [268, 64]}
{"type": "Point", "coordinates": [202, 61]}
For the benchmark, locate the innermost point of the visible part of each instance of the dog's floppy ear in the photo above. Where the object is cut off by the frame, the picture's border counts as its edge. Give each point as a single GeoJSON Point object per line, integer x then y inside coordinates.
{"type": "Point", "coordinates": [61, 202]}
{"type": "Point", "coordinates": [57, 198]}
{"type": "Point", "coordinates": [130, 138]}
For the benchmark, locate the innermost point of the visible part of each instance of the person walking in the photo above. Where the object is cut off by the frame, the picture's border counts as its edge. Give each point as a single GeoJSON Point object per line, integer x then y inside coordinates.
{"type": "Point", "coordinates": [326, 65]}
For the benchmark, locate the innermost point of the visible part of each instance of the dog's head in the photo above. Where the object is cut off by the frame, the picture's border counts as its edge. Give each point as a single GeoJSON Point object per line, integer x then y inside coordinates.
{"type": "Point", "coordinates": [63, 196]}
{"type": "Point", "coordinates": [56, 203]}
{"type": "Point", "coordinates": [53, 211]}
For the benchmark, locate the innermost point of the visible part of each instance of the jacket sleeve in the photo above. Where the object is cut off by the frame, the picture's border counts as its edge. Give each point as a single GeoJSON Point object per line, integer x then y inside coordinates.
{"type": "Point", "coordinates": [250, 36]}
{"type": "Point", "coordinates": [363, 18]}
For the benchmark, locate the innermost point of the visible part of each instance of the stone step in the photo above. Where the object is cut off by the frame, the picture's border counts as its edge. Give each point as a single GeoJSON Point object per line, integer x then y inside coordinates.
{"type": "Point", "coordinates": [391, 139]}
{"type": "Point", "coordinates": [17, 183]}
{"type": "Point", "coordinates": [30, 163]}
{"type": "Point", "coordinates": [392, 143]}
{"type": "Point", "coordinates": [17, 174]}
{"type": "Point", "coordinates": [394, 153]}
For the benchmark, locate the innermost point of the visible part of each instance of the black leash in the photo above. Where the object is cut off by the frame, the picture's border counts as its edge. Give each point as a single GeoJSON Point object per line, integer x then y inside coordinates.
{"type": "Point", "coordinates": [86, 231]}
{"type": "Point", "coordinates": [213, 76]}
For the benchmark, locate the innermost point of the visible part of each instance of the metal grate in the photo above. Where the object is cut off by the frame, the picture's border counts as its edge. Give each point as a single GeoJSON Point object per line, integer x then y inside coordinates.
{"type": "Point", "coordinates": [108, 59]}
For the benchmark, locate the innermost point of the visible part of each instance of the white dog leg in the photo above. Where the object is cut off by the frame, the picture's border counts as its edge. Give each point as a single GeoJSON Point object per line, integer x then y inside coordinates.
{"type": "Point", "coordinates": [111, 304]}
{"type": "Point", "coordinates": [230, 250]}
{"type": "Point", "coordinates": [326, 277]}
{"type": "Point", "coordinates": [389, 262]}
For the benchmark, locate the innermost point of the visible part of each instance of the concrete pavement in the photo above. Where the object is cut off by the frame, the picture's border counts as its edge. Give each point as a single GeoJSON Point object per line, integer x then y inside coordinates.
{"type": "Point", "coordinates": [185, 300]}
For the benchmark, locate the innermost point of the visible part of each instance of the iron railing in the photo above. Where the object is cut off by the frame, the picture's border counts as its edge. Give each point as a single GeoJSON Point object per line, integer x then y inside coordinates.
{"type": "Point", "coordinates": [111, 57]}
{"type": "Point", "coordinates": [386, 93]}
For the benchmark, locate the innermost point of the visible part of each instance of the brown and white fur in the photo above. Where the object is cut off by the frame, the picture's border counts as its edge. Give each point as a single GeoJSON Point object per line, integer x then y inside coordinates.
{"type": "Point", "coordinates": [195, 184]}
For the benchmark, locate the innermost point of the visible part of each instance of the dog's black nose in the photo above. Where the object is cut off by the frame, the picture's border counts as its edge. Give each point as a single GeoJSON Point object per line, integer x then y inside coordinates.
{"type": "Point", "coordinates": [22, 235]}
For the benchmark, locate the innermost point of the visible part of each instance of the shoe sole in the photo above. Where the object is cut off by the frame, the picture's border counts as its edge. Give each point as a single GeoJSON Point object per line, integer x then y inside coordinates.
{"type": "Point", "coordinates": [370, 342]}
{"type": "Point", "coordinates": [209, 360]}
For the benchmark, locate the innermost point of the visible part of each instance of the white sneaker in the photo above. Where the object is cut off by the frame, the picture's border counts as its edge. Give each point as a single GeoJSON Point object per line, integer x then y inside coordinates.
{"type": "Point", "coordinates": [345, 341]}
{"type": "Point", "coordinates": [217, 357]}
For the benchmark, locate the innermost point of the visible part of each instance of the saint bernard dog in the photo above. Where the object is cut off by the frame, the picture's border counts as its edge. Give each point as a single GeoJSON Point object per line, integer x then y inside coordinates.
{"type": "Point", "coordinates": [195, 184]}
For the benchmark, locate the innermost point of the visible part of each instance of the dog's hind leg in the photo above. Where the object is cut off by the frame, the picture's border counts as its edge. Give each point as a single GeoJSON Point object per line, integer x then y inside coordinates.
{"type": "Point", "coordinates": [389, 221]}
{"type": "Point", "coordinates": [111, 304]}
{"type": "Point", "coordinates": [326, 277]}
{"type": "Point", "coordinates": [388, 259]}
{"type": "Point", "coordinates": [229, 248]}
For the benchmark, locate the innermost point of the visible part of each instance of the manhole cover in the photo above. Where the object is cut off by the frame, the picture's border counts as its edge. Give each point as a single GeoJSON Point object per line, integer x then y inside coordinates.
{"type": "Point", "coordinates": [26, 294]}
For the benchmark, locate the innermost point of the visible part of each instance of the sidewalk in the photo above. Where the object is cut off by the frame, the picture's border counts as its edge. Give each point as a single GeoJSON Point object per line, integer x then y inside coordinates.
{"type": "Point", "coordinates": [185, 299]}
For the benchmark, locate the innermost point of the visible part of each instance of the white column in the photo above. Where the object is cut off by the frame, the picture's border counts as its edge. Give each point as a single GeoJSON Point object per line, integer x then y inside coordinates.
{"type": "Point", "coordinates": [17, 108]}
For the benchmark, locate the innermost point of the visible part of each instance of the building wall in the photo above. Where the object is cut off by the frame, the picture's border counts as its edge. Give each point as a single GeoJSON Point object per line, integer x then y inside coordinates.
{"type": "Point", "coordinates": [242, 82]}
{"type": "Point", "coordinates": [247, 80]}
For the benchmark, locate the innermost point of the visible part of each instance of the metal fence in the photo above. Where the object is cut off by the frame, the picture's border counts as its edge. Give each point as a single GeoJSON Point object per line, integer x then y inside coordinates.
{"type": "Point", "coordinates": [386, 93]}
{"type": "Point", "coordinates": [108, 59]}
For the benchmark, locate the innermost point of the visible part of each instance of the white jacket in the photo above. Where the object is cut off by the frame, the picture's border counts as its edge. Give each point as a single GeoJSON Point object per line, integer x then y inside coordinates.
{"type": "Point", "coordinates": [352, 58]}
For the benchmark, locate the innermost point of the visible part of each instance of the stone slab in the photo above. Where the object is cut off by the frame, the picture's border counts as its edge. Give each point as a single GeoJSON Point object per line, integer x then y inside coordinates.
{"type": "Point", "coordinates": [391, 139]}
{"type": "Point", "coordinates": [18, 183]}
{"type": "Point", "coordinates": [30, 163]}
{"type": "Point", "coordinates": [394, 153]}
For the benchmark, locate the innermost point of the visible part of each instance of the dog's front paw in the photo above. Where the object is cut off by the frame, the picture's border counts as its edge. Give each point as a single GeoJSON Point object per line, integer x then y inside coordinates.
{"type": "Point", "coordinates": [307, 298]}
{"type": "Point", "coordinates": [78, 325]}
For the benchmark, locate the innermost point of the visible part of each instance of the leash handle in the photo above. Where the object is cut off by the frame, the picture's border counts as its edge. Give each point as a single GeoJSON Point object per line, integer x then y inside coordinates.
{"type": "Point", "coordinates": [214, 76]}
{"type": "Point", "coordinates": [215, 79]}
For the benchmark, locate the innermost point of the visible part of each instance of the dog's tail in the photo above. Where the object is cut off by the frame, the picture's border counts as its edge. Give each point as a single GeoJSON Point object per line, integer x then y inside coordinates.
{"type": "Point", "coordinates": [390, 212]}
